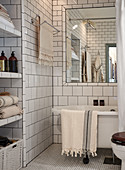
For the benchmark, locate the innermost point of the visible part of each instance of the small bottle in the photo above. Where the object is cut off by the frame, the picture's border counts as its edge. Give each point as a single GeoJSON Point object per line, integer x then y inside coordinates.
{"type": "Point", "coordinates": [13, 63]}
{"type": "Point", "coordinates": [3, 62]}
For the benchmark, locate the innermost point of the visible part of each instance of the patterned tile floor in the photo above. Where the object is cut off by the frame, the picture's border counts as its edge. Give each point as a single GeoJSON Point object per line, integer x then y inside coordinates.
{"type": "Point", "coordinates": [51, 159]}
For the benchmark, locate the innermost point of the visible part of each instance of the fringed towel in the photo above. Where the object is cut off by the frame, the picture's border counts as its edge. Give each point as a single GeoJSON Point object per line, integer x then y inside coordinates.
{"type": "Point", "coordinates": [8, 100]}
{"type": "Point", "coordinates": [72, 132]}
{"type": "Point", "coordinates": [6, 112]}
{"type": "Point", "coordinates": [79, 132]}
{"type": "Point", "coordinates": [90, 133]}
{"type": "Point", "coordinates": [45, 44]}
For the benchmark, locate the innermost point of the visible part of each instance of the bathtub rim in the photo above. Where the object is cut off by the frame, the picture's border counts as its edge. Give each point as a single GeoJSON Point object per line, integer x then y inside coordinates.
{"type": "Point", "coordinates": [57, 110]}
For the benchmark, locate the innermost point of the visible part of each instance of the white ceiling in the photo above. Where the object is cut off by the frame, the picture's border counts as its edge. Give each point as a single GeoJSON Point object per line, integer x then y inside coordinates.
{"type": "Point", "coordinates": [99, 13]}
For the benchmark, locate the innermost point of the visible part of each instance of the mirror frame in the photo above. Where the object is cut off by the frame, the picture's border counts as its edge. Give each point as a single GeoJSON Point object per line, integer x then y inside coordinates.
{"type": "Point", "coordinates": [64, 71]}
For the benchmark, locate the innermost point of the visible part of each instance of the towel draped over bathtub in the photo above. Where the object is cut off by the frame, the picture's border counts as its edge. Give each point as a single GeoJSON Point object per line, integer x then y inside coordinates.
{"type": "Point", "coordinates": [79, 132]}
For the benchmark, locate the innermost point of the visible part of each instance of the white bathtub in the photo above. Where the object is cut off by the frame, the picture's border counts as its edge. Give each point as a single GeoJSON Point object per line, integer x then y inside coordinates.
{"type": "Point", "coordinates": [107, 123]}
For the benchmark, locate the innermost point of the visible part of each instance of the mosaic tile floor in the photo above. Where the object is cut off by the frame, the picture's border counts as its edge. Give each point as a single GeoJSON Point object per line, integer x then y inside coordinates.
{"type": "Point", "coordinates": [51, 159]}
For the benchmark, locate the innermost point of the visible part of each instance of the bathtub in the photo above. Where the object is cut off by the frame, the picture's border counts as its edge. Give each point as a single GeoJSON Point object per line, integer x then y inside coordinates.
{"type": "Point", "coordinates": [107, 123]}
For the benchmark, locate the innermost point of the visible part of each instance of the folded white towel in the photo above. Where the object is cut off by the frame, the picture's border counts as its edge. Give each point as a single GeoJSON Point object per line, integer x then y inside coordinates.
{"type": "Point", "coordinates": [6, 112]}
{"type": "Point", "coordinates": [8, 100]}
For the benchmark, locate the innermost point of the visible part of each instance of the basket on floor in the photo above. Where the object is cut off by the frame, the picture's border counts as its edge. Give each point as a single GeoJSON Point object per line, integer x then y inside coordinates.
{"type": "Point", "coordinates": [11, 156]}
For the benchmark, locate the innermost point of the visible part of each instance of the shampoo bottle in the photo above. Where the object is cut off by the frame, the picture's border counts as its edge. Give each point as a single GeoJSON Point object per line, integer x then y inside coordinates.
{"type": "Point", "coordinates": [13, 63]}
{"type": "Point", "coordinates": [3, 62]}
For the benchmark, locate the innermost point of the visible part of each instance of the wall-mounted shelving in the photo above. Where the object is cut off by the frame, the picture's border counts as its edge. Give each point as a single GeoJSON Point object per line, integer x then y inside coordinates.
{"type": "Point", "coordinates": [10, 75]}
{"type": "Point", "coordinates": [6, 31]}
{"type": "Point", "coordinates": [10, 120]}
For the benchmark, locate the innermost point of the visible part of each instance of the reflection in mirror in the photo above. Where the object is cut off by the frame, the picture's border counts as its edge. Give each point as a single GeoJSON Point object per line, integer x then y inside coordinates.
{"type": "Point", "coordinates": [111, 63]}
{"type": "Point", "coordinates": [88, 32]}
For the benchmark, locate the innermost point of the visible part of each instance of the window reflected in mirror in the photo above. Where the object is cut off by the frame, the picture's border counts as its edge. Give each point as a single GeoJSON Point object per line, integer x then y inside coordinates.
{"type": "Point", "coordinates": [111, 63]}
{"type": "Point", "coordinates": [88, 58]}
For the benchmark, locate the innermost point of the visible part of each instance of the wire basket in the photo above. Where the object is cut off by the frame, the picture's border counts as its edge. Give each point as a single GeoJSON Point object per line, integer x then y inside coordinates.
{"type": "Point", "coordinates": [11, 156]}
{"type": "Point", "coordinates": [1, 159]}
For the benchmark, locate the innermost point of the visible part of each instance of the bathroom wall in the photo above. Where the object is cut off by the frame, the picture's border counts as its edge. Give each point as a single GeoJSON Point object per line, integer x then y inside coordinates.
{"type": "Point", "coordinates": [37, 83]}
{"type": "Point", "coordinates": [96, 39]}
{"type": "Point", "coordinates": [14, 86]}
{"type": "Point", "coordinates": [75, 93]}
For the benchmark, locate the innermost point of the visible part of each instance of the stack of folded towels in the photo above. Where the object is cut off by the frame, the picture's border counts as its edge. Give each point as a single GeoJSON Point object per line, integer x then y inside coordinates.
{"type": "Point", "coordinates": [9, 106]}
{"type": "Point", "coordinates": [5, 18]}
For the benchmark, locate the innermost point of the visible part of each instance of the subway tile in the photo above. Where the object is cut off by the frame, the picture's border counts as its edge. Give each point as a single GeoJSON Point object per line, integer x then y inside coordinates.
{"type": "Point", "coordinates": [87, 91]}
{"type": "Point", "coordinates": [5, 83]}
{"type": "Point", "coordinates": [72, 100]}
{"type": "Point", "coordinates": [55, 100]}
{"type": "Point", "coordinates": [103, 1]}
{"type": "Point", "coordinates": [62, 101]}
{"type": "Point", "coordinates": [113, 101]}
{"type": "Point", "coordinates": [16, 2]}
{"type": "Point", "coordinates": [92, 1]}
{"type": "Point", "coordinates": [82, 2]}
{"type": "Point", "coordinates": [57, 71]}
{"type": "Point", "coordinates": [97, 91]}
{"type": "Point", "coordinates": [17, 133]}
{"type": "Point", "coordinates": [67, 91]}
{"type": "Point", "coordinates": [77, 91]}
{"type": "Point", "coordinates": [82, 100]}
{"type": "Point", "coordinates": [10, 41]}
{"type": "Point", "coordinates": [57, 91]}
{"type": "Point", "coordinates": [4, 2]}
{"type": "Point", "coordinates": [72, 1]}
{"type": "Point", "coordinates": [16, 83]}
{"type": "Point", "coordinates": [108, 91]}
{"type": "Point", "coordinates": [115, 91]}
{"type": "Point", "coordinates": [6, 132]}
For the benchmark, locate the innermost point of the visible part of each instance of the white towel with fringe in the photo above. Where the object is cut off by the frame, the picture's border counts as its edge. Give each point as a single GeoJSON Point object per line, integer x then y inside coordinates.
{"type": "Point", "coordinates": [72, 132]}
{"type": "Point", "coordinates": [79, 132]}
{"type": "Point", "coordinates": [45, 44]}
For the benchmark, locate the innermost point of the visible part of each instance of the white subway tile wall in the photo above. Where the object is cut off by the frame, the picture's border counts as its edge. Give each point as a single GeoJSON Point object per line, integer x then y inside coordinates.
{"type": "Point", "coordinates": [37, 82]}
{"type": "Point", "coordinates": [76, 93]}
{"type": "Point", "coordinates": [13, 86]}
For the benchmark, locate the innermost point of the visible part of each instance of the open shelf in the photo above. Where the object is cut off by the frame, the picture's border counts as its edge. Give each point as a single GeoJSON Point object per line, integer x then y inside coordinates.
{"type": "Point", "coordinates": [10, 75]}
{"type": "Point", "coordinates": [10, 120]}
{"type": "Point", "coordinates": [6, 31]}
